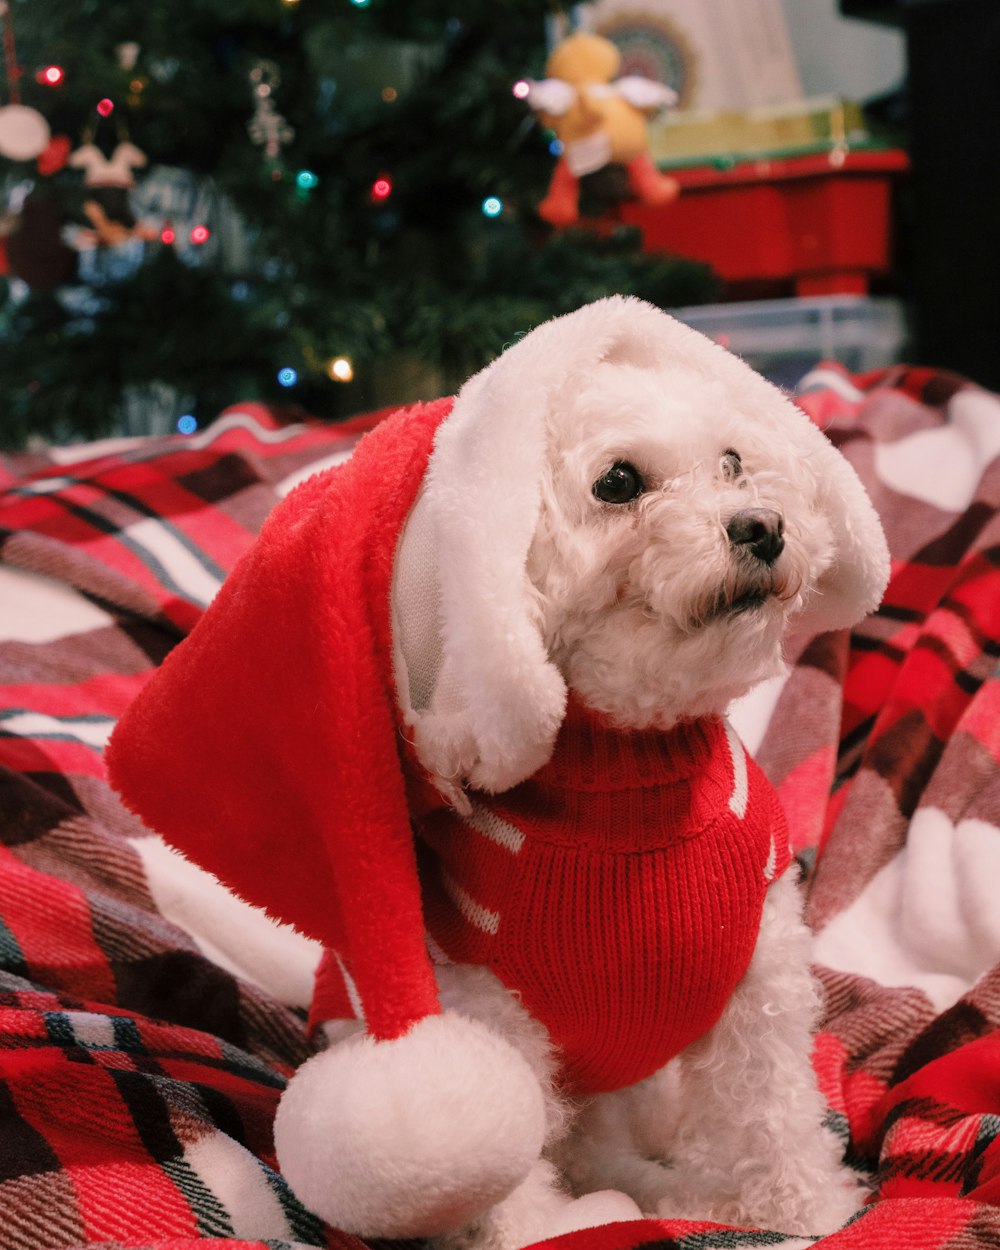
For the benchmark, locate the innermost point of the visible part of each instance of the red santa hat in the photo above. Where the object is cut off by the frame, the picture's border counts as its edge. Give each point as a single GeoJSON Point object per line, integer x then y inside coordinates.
{"type": "Point", "coordinates": [388, 599]}
{"type": "Point", "coordinates": [267, 749]}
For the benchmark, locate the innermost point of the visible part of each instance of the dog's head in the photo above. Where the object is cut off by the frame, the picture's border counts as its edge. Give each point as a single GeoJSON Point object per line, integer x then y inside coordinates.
{"type": "Point", "coordinates": [621, 507]}
{"type": "Point", "coordinates": [678, 537]}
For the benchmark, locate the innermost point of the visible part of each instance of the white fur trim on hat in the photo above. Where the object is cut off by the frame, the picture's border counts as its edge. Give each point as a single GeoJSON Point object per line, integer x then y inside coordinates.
{"type": "Point", "coordinates": [411, 1137]}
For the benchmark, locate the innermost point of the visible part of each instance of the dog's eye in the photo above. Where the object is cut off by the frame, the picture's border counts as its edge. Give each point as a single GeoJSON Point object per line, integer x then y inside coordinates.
{"type": "Point", "coordinates": [731, 465]}
{"type": "Point", "coordinates": [621, 484]}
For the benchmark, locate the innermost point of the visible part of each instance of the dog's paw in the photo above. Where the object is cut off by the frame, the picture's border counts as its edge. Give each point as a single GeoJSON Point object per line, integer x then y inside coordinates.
{"type": "Point", "coordinates": [841, 1200]}
{"type": "Point", "coordinates": [820, 1204]}
{"type": "Point", "coordinates": [815, 1213]}
{"type": "Point", "coordinates": [536, 1211]}
{"type": "Point", "coordinates": [607, 1206]}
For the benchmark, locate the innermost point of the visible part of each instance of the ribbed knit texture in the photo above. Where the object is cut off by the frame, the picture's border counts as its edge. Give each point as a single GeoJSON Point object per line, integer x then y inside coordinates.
{"type": "Point", "coordinates": [618, 891]}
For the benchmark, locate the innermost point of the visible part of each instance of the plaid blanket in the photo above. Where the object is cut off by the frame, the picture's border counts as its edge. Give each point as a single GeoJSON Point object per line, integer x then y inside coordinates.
{"type": "Point", "coordinates": [148, 1020]}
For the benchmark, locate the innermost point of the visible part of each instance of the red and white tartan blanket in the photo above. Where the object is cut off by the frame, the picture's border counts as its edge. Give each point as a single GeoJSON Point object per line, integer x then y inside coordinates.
{"type": "Point", "coordinates": [148, 1021]}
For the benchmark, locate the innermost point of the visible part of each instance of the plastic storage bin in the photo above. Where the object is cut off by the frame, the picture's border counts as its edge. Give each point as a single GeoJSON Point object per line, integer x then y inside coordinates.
{"type": "Point", "coordinates": [785, 338]}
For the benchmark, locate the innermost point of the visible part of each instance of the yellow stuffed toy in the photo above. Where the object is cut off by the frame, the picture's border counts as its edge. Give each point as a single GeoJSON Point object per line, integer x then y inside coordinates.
{"type": "Point", "coordinates": [600, 120]}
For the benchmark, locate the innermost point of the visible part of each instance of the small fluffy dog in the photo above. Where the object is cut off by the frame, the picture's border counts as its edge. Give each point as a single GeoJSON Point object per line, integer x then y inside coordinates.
{"type": "Point", "coordinates": [617, 527]}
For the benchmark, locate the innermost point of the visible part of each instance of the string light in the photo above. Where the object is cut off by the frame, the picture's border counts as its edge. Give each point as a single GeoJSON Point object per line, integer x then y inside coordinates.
{"type": "Point", "coordinates": [522, 89]}
{"type": "Point", "coordinates": [50, 76]}
{"type": "Point", "coordinates": [340, 369]}
{"type": "Point", "coordinates": [557, 147]}
{"type": "Point", "coordinates": [389, 94]}
{"type": "Point", "coordinates": [492, 207]}
{"type": "Point", "coordinates": [381, 188]}
{"type": "Point", "coordinates": [187, 424]}
{"type": "Point", "coordinates": [200, 234]}
{"type": "Point", "coordinates": [105, 107]}
{"type": "Point", "coordinates": [287, 376]}
{"type": "Point", "coordinates": [305, 180]}
{"type": "Point", "coordinates": [168, 235]}
{"type": "Point", "coordinates": [361, 4]}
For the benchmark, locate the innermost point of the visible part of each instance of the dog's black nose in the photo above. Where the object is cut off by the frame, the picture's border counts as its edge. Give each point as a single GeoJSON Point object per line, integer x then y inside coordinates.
{"type": "Point", "coordinates": [759, 531]}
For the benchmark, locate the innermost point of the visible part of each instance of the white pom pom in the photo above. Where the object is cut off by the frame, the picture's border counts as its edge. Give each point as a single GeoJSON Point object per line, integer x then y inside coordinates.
{"type": "Point", "coordinates": [410, 1137]}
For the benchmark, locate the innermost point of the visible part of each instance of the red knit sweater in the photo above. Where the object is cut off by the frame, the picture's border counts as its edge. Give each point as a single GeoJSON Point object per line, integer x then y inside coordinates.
{"type": "Point", "coordinates": [618, 891]}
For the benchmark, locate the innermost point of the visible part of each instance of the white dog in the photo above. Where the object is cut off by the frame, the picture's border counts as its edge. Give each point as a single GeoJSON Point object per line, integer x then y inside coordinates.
{"type": "Point", "coordinates": [618, 528]}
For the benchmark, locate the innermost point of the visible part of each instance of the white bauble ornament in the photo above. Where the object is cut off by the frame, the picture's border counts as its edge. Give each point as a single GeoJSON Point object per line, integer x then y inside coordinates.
{"type": "Point", "coordinates": [24, 132]}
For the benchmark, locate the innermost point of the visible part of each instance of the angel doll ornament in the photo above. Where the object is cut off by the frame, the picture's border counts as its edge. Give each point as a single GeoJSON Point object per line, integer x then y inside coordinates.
{"type": "Point", "coordinates": [600, 120]}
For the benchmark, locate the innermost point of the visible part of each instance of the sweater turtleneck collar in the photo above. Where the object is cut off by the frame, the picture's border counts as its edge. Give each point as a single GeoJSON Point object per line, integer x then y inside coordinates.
{"type": "Point", "coordinates": [617, 790]}
{"type": "Point", "coordinates": [593, 753]}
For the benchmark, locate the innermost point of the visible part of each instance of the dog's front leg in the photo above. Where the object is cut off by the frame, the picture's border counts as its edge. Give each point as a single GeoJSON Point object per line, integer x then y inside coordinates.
{"type": "Point", "coordinates": [610, 1145]}
{"type": "Point", "coordinates": [748, 1145]}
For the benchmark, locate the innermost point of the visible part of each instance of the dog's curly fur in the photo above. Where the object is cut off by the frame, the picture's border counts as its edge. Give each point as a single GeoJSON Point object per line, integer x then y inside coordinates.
{"type": "Point", "coordinates": [653, 614]}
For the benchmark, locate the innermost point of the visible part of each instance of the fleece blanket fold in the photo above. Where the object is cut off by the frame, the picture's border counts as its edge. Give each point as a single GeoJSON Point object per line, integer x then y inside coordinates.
{"type": "Point", "coordinates": [149, 1021]}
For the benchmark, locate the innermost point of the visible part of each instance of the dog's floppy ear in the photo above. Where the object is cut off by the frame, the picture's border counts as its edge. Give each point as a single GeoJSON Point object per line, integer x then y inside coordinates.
{"type": "Point", "coordinates": [485, 701]}
{"type": "Point", "coordinates": [856, 580]}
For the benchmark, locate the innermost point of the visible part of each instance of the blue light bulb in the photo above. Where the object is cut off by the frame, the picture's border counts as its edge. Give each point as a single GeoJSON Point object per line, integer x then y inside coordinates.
{"type": "Point", "coordinates": [492, 207]}
{"type": "Point", "coordinates": [287, 376]}
{"type": "Point", "coordinates": [187, 424]}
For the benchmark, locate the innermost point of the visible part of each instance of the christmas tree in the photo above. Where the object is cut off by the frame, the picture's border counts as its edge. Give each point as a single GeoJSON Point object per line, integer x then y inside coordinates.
{"type": "Point", "coordinates": [326, 203]}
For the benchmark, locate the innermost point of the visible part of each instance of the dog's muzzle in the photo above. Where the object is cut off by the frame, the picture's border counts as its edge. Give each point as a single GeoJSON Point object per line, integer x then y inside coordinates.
{"type": "Point", "coordinates": [756, 539]}
{"type": "Point", "coordinates": [757, 532]}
